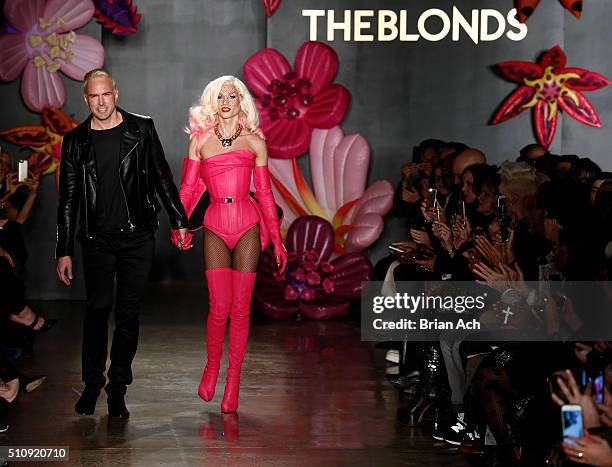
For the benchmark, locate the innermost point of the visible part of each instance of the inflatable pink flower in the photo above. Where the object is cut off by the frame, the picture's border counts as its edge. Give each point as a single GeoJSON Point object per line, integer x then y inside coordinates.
{"type": "Point", "coordinates": [312, 284]}
{"type": "Point", "coordinates": [41, 41]}
{"type": "Point", "coordinates": [339, 170]}
{"type": "Point", "coordinates": [293, 102]}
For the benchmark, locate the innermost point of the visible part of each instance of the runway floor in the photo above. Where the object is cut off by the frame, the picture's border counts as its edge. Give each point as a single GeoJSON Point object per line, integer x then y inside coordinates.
{"type": "Point", "coordinates": [312, 394]}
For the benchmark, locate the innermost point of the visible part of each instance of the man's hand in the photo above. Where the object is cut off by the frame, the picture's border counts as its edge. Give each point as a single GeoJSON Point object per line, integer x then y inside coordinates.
{"type": "Point", "coordinates": [64, 269]}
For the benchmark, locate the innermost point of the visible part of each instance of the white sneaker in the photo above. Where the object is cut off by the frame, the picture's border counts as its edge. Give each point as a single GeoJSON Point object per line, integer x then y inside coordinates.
{"type": "Point", "coordinates": [392, 356]}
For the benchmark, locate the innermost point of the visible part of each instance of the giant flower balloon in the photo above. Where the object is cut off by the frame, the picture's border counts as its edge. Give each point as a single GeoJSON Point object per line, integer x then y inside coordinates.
{"type": "Point", "coordinates": [546, 86]}
{"type": "Point", "coordinates": [44, 140]}
{"type": "Point", "coordinates": [293, 102]}
{"type": "Point", "coordinates": [339, 171]}
{"type": "Point", "coordinates": [525, 8]}
{"type": "Point", "coordinates": [41, 42]}
{"type": "Point", "coordinates": [121, 17]}
{"type": "Point", "coordinates": [312, 284]}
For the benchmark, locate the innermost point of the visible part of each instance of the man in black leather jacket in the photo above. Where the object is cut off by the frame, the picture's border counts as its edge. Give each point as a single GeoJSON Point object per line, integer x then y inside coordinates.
{"type": "Point", "coordinates": [112, 172]}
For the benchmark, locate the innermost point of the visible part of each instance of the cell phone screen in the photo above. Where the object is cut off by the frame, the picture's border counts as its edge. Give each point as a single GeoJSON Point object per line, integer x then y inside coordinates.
{"type": "Point", "coordinates": [597, 381]}
{"type": "Point", "coordinates": [572, 423]}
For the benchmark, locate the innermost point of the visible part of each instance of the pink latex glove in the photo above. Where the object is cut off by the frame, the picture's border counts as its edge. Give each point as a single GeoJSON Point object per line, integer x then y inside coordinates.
{"type": "Point", "coordinates": [265, 198]}
{"type": "Point", "coordinates": [183, 245]}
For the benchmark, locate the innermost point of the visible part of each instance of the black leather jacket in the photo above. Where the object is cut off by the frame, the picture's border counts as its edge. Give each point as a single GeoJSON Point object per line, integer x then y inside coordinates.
{"type": "Point", "coordinates": [144, 175]}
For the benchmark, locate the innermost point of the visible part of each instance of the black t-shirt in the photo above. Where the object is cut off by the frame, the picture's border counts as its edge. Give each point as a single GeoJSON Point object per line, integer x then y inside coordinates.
{"type": "Point", "coordinates": [111, 213]}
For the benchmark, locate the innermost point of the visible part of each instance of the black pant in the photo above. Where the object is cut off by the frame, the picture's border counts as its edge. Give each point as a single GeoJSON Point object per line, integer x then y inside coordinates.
{"type": "Point", "coordinates": [126, 257]}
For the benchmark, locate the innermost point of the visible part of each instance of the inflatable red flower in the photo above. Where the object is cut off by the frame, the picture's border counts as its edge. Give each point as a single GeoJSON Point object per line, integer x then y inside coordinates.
{"type": "Point", "coordinates": [271, 6]}
{"type": "Point", "coordinates": [293, 102]}
{"type": "Point", "coordinates": [312, 284]}
{"type": "Point", "coordinates": [44, 140]}
{"type": "Point", "coordinates": [525, 8]}
{"type": "Point", "coordinates": [546, 86]}
{"type": "Point", "coordinates": [121, 17]}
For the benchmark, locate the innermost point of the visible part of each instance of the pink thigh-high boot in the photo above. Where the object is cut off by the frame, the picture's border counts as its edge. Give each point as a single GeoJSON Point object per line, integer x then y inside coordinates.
{"type": "Point", "coordinates": [242, 284]}
{"type": "Point", "coordinates": [220, 296]}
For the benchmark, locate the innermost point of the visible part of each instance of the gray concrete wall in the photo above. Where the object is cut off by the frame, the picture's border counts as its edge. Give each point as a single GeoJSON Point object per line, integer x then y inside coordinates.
{"type": "Point", "coordinates": [402, 92]}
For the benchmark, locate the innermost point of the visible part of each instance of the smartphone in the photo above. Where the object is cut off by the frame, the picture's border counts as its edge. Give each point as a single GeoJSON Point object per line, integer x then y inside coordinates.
{"type": "Point", "coordinates": [424, 254]}
{"type": "Point", "coordinates": [22, 171]}
{"type": "Point", "coordinates": [501, 206]}
{"type": "Point", "coordinates": [462, 208]}
{"type": "Point", "coordinates": [597, 379]}
{"type": "Point", "coordinates": [503, 218]}
{"type": "Point", "coordinates": [394, 248]}
{"type": "Point", "coordinates": [437, 209]}
{"type": "Point", "coordinates": [432, 196]}
{"type": "Point", "coordinates": [571, 421]}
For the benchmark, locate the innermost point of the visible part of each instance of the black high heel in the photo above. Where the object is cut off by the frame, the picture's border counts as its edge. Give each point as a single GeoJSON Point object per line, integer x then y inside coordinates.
{"type": "Point", "coordinates": [414, 413]}
{"type": "Point", "coordinates": [28, 384]}
{"type": "Point", "coordinates": [47, 324]}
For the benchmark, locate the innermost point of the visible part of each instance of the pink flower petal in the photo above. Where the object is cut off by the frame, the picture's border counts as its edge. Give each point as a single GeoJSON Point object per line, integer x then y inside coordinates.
{"type": "Point", "coordinates": [519, 71]}
{"type": "Point", "coordinates": [13, 56]}
{"type": "Point", "coordinates": [588, 80]}
{"type": "Point", "coordinates": [545, 126]}
{"type": "Point", "coordinates": [23, 14]}
{"type": "Point", "coordinates": [40, 88]}
{"type": "Point", "coordinates": [351, 163]}
{"type": "Point", "coordinates": [262, 67]}
{"type": "Point", "coordinates": [322, 145]}
{"type": "Point", "coordinates": [514, 104]}
{"type": "Point", "coordinates": [351, 270]}
{"type": "Point", "coordinates": [286, 138]}
{"type": "Point", "coordinates": [74, 13]}
{"type": "Point", "coordinates": [282, 169]}
{"type": "Point", "coordinates": [318, 62]}
{"type": "Point", "coordinates": [88, 54]}
{"type": "Point", "coordinates": [584, 112]}
{"type": "Point", "coordinates": [554, 57]}
{"type": "Point", "coordinates": [329, 107]}
{"type": "Point", "coordinates": [364, 233]}
{"type": "Point", "coordinates": [377, 199]}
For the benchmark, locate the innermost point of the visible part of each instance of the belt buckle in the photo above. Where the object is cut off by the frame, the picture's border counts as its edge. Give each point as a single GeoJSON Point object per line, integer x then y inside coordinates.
{"type": "Point", "coordinates": [228, 199]}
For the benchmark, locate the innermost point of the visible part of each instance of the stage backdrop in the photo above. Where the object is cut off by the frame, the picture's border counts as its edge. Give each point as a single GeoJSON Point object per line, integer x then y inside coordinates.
{"type": "Point", "coordinates": [403, 92]}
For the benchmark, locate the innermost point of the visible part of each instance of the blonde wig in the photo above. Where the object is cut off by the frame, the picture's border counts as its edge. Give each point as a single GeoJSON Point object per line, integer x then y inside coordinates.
{"type": "Point", "coordinates": [203, 117]}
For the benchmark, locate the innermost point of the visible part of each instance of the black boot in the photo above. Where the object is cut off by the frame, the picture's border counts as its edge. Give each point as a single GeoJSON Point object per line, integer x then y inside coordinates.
{"type": "Point", "coordinates": [116, 402]}
{"type": "Point", "coordinates": [432, 392]}
{"type": "Point", "coordinates": [86, 405]}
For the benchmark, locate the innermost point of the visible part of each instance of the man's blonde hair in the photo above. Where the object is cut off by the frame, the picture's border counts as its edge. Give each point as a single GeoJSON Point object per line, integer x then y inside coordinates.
{"type": "Point", "coordinates": [97, 73]}
{"type": "Point", "coordinates": [519, 178]}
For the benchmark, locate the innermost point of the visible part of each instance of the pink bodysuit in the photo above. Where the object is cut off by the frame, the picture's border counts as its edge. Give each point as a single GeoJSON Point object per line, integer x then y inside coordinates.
{"type": "Point", "coordinates": [232, 211]}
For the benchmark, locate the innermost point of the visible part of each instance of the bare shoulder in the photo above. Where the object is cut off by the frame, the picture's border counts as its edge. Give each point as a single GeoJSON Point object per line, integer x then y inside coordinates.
{"type": "Point", "coordinates": [195, 146]}
{"type": "Point", "coordinates": [258, 146]}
